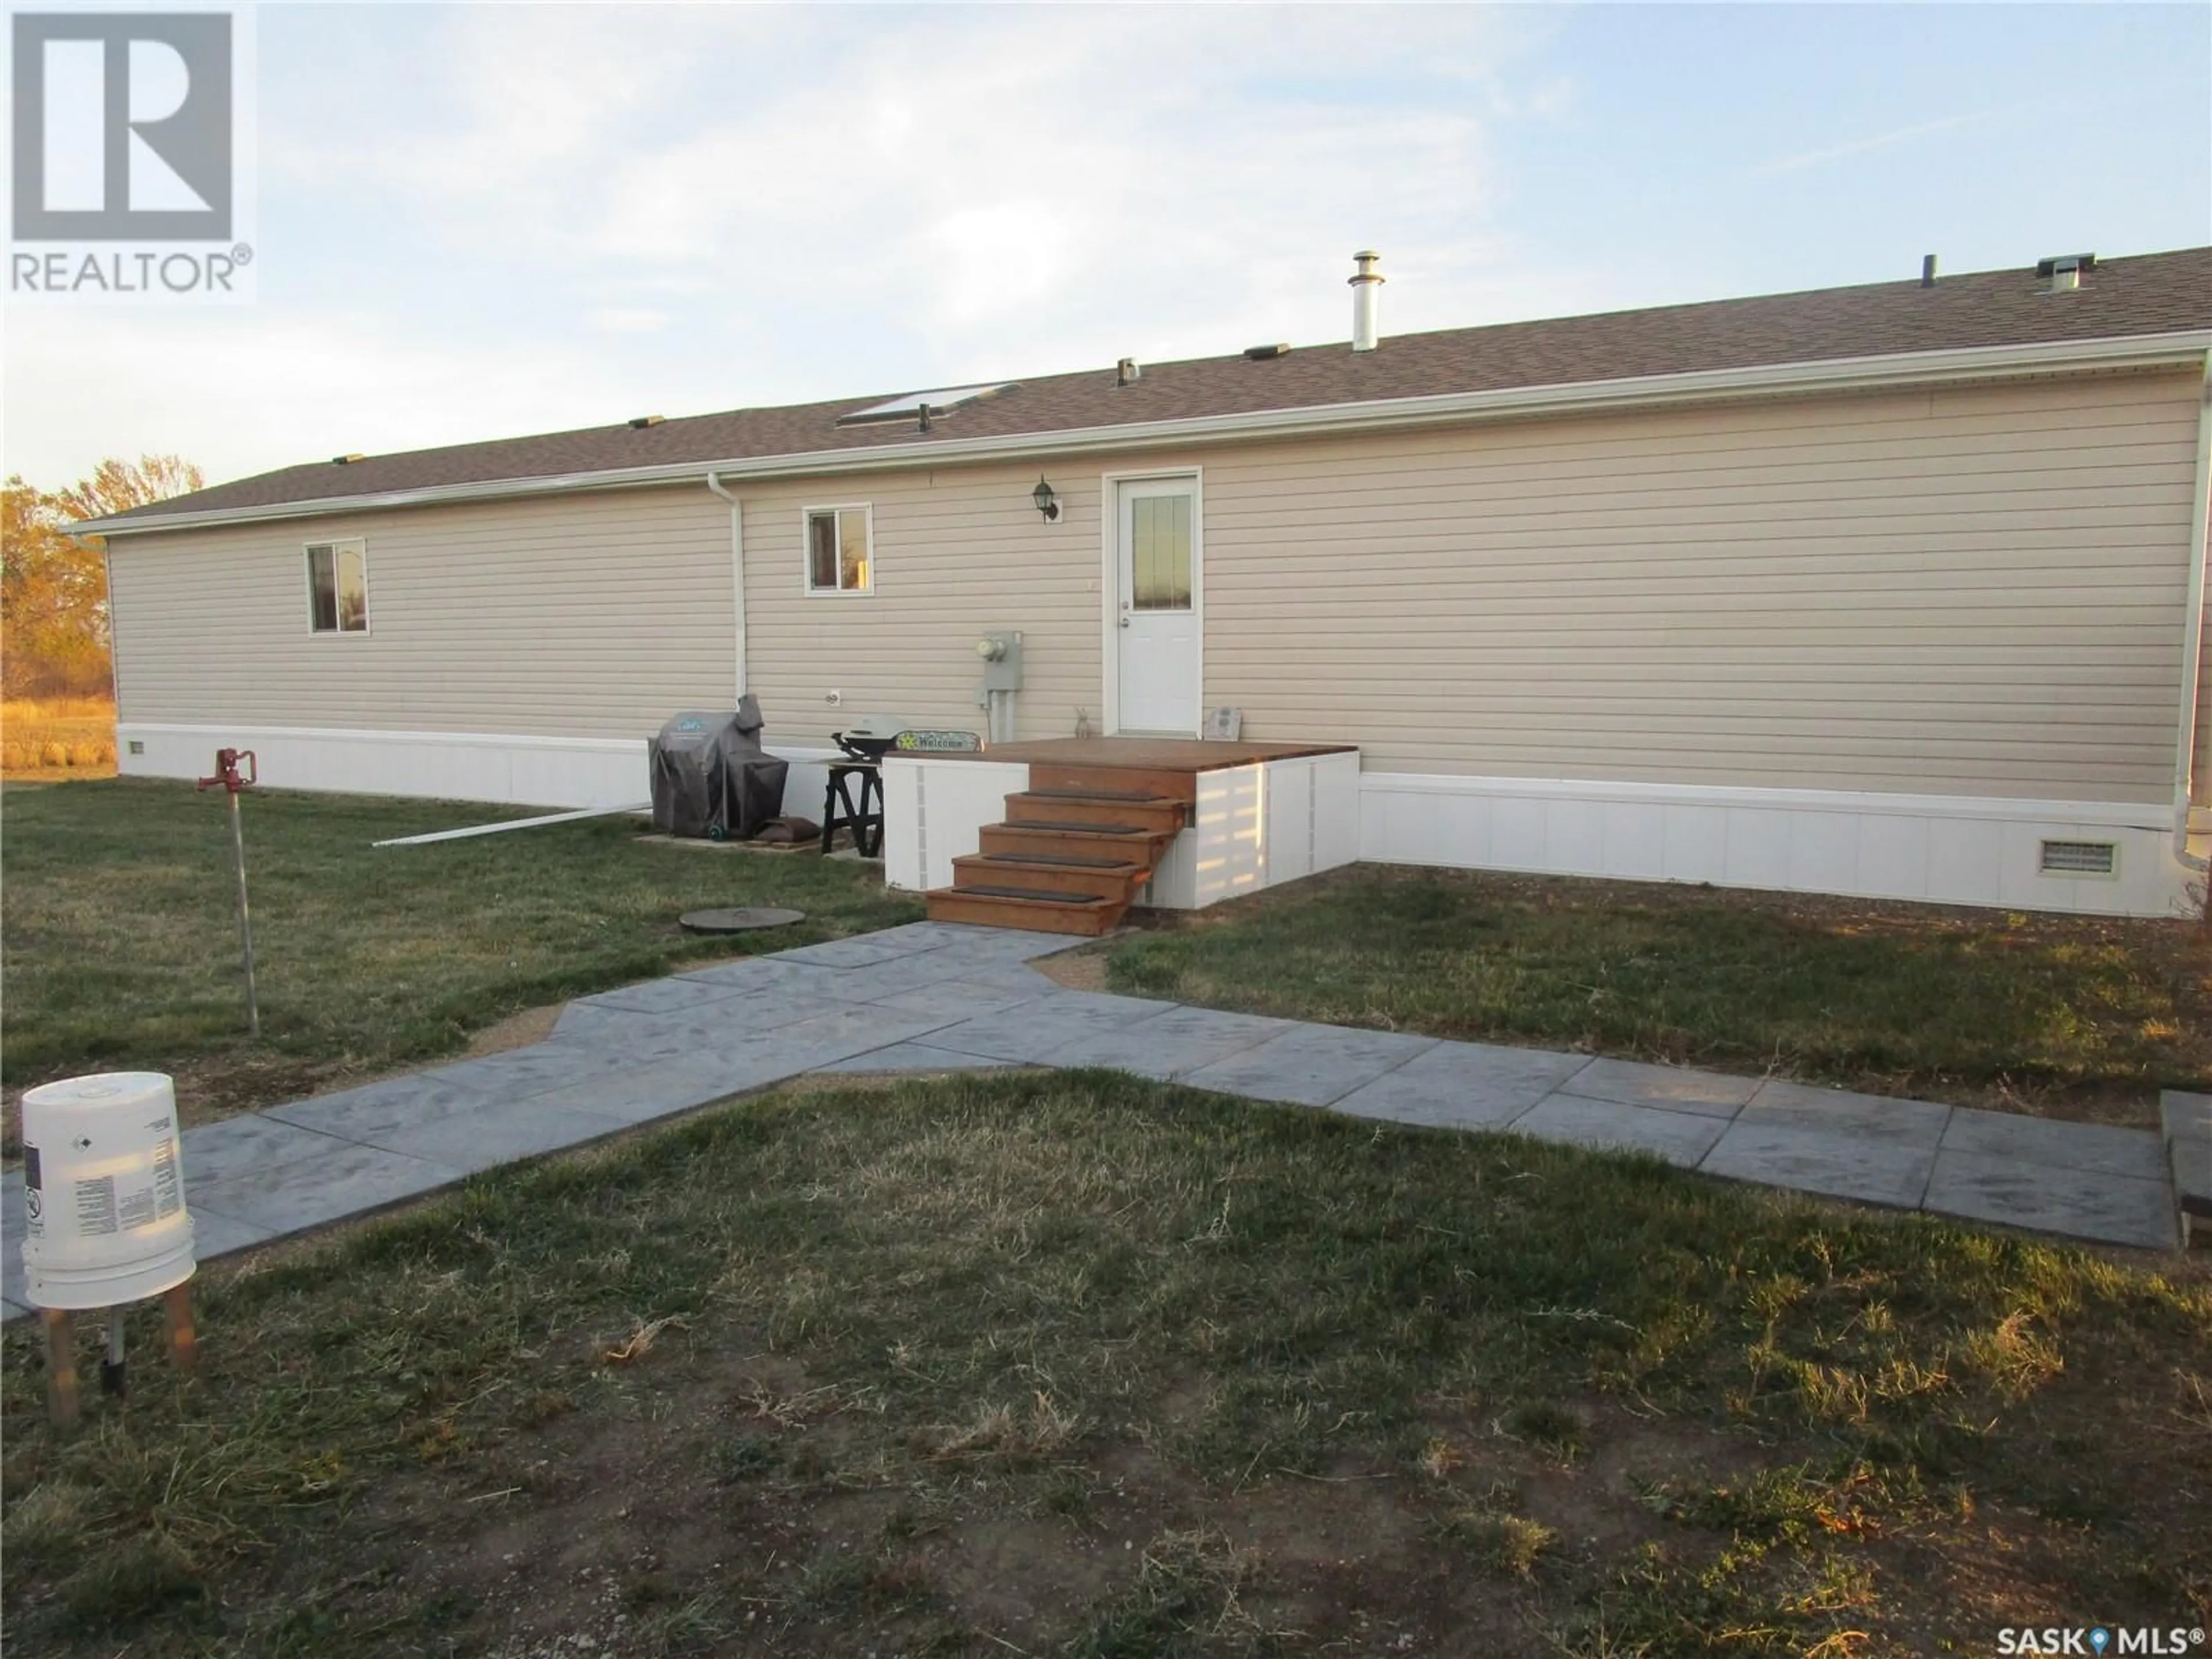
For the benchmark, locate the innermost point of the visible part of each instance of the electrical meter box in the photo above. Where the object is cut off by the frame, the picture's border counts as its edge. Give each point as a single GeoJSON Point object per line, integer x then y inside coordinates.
{"type": "Point", "coordinates": [1002, 660]}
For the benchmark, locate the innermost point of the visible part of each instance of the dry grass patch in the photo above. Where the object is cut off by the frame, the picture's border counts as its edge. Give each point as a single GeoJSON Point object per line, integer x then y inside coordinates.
{"type": "Point", "coordinates": [57, 736]}
{"type": "Point", "coordinates": [1077, 1364]}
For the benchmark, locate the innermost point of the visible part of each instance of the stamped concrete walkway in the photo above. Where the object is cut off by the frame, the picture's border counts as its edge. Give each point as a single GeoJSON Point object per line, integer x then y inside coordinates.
{"type": "Point", "coordinates": [933, 996]}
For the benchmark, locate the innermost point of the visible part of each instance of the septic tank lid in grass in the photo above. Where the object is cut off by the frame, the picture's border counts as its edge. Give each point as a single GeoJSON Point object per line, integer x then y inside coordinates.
{"type": "Point", "coordinates": [739, 920]}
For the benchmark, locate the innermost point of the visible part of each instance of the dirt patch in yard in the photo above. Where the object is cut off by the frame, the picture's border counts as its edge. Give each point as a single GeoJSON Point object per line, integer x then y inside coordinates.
{"type": "Point", "coordinates": [1076, 970]}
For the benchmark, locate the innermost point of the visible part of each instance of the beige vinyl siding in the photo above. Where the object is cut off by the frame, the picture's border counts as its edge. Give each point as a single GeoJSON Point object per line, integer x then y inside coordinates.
{"type": "Point", "coordinates": [1974, 591]}
{"type": "Point", "coordinates": [957, 554]}
{"type": "Point", "coordinates": [1970, 592]}
{"type": "Point", "coordinates": [583, 617]}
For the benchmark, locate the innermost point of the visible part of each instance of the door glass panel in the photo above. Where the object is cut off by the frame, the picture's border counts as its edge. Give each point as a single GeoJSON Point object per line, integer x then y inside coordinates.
{"type": "Point", "coordinates": [1159, 553]}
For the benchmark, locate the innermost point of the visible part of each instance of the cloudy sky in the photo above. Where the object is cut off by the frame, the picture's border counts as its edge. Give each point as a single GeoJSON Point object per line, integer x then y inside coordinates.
{"type": "Point", "coordinates": [477, 221]}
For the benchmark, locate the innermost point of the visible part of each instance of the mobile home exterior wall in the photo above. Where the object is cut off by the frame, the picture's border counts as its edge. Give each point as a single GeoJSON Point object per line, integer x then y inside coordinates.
{"type": "Point", "coordinates": [1882, 642]}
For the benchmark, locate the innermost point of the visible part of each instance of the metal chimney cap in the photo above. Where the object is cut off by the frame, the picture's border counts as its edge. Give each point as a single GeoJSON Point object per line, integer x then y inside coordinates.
{"type": "Point", "coordinates": [1367, 260]}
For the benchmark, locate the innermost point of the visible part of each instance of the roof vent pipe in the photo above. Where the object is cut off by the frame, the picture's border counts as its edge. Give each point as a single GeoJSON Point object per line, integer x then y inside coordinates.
{"type": "Point", "coordinates": [1927, 271]}
{"type": "Point", "coordinates": [1127, 372]}
{"type": "Point", "coordinates": [1366, 298]}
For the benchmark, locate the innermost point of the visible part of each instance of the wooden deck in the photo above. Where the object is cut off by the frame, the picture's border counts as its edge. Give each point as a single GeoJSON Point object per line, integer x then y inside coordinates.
{"type": "Point", "coordinates": [1080, 842]}
{"type": "Point", "coordinates": [1144, 754]}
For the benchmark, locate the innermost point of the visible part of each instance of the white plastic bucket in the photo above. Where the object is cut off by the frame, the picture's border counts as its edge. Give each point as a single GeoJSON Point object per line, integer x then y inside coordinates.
{"type": "Point", "coordinates": [104, 1191]}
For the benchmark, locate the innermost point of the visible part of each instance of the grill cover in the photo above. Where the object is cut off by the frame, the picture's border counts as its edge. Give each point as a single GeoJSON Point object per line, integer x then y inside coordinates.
{"type": "Point", "coordinates": [711, 777]}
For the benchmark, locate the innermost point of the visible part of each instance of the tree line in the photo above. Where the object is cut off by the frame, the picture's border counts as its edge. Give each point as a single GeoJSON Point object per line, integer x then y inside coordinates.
{"type": "Point", "coordinates": [54, 637]}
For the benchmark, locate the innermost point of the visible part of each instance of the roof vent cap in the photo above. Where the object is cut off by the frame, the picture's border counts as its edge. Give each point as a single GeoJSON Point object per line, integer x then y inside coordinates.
{"type": "Point", "coordinates": [1259, 354]}
{"type": "Point", "coordinates": [639, 422]}
{"type": "Point", "coordinates": [1366, 299]}
{"type": "Point", "coordinates": [347, 460]}
{"type": "Point", "coordinates": [2065, 270]}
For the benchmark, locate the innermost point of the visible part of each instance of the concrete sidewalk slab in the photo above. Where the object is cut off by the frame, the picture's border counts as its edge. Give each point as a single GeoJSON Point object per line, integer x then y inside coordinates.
{"type": "Point", "coordinates": [663, 996]}
{"type": "Point", "coordinates": [651, 1091]}
{"type": "Point", "coordinates": [1168, 1044]}
{"type": "Point", "coordinates": [968, 999]}
{"type": "Point", "coordinates": [241, 1145]}
{"type": "Point", "coordinates": [2088, 1148]}
{"type": "Point", "coordinates": [1838, 1111]}
{"type": "Point", "coordinates": [353, 1179]}
{"type": "Point", "coordinates": [1037, 1030]}
{"type": "Point", "coordinates": [376, 1108]}
{"type": "Point", "coordinates": [1463, 1085]}
{"type": "Point", "coordinates": [1808, 1160]}
{"type": "Point", "coordinates": [860, 950]}
{"type": "Point", "coordinates": [504, 1132]}
{"type": "Point", "coordinates": [2109, 1209]}
{"type": "Point", "coordinates": [1309, 1064]}
{"type": "Point", "coordinates": [1681, 1138]}
{"type": "Point", "coordinates": [1634, 1083]}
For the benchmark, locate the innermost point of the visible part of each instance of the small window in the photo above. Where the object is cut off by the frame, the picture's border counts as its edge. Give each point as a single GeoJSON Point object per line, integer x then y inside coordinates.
{"type": "Point", "coordinates": [838, 551]}
{"type": "Point", "coordinates": [337, 587]}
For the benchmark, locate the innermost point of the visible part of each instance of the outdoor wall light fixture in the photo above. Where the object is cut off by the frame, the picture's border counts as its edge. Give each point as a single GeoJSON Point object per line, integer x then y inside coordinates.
{"type": "Point", "coordinates": [1047, 502]}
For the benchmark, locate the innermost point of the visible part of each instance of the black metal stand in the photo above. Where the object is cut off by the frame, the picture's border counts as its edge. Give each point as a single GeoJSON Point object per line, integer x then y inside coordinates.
{"type": "Point", "coordinates": [864, 820]}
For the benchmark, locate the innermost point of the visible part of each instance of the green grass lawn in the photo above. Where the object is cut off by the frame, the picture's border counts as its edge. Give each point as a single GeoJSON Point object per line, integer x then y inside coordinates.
{"type": "Point", "coordinates": [121, 943]}
{"type": "Point", "coordinates": [1076, 1364]}
{"type": "Point", "coordinates": [2073, 1016]}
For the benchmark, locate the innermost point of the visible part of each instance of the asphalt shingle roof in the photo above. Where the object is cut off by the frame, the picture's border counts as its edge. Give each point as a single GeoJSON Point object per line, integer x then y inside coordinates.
{"type": "Point", "coordinates": [2149, 293]}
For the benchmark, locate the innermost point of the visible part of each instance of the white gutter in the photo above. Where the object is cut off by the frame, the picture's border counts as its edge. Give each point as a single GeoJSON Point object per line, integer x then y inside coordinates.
{"type": "Point", "coordinates": [2182, 348]}
{"type": "Point", "coordinates": [737, 571]}
{"type": "Point", "coordinates": [2192, 635]}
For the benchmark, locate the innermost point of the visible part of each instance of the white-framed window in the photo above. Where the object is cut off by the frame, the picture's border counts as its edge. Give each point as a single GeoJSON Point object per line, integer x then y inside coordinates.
{"type": "Point", "coordinates": [840, 549]}
{"type": "Point", "coordinates": [337, 587]}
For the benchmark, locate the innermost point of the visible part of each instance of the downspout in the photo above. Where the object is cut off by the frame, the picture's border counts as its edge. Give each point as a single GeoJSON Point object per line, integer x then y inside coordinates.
{"type": "Point", "coordinates": [736, 570]}
{"type": "Point", "coordinates": [2192, 634]}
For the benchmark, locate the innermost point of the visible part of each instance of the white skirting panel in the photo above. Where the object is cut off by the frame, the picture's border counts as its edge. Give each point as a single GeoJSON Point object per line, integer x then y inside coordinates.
{"type": "Point", "coordinates": [1252, 827]}
{"type": "Point", "coordinates": [935, 812]}
{"type": "Point", "coordinates": [1940, 848]}
{"type": "Point", "coordinates": [509, 769]}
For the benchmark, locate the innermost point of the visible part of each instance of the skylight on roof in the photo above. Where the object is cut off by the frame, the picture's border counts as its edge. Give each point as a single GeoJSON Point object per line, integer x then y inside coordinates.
{"type": "Point", "coordinates": [922, 405]}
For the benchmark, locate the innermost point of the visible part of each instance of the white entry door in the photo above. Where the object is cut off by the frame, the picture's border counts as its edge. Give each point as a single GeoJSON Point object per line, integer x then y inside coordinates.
{"type": "Point", "coordinates": [1156, 617]}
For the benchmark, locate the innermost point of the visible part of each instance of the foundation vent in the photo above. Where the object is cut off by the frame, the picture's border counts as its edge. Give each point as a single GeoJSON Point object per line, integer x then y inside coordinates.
{"type": "Point", "coordinates": [2081, 857]}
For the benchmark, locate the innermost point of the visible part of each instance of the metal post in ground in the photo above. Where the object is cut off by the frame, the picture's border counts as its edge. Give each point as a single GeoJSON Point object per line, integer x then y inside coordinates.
{"type": "Point", "coordinates": [226, 773]}
{"type": "Point", "coordinates": [245, 915]}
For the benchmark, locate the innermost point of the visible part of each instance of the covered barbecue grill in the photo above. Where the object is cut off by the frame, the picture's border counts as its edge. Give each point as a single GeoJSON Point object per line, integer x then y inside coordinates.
{"type": "Point", "coordinates": [712, 778]}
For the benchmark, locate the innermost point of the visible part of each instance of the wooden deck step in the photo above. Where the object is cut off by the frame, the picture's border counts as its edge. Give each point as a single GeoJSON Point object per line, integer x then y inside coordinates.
{"type": "Point", "coordinates": [1085, 841]}
{"type": "Point", "coordinates": [1101, 877]}
{"type": "Point", "coordinates": [1173, 783]}
{"type": "Point", "coordinates": [1087, 811]}
{"type": "Point", "coordinates": [1025, 908]}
